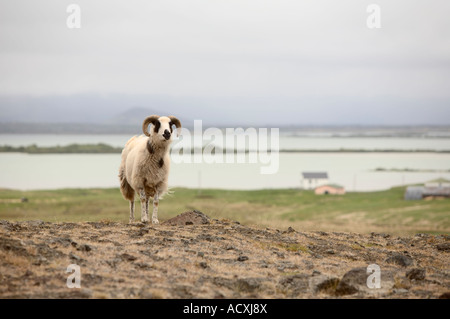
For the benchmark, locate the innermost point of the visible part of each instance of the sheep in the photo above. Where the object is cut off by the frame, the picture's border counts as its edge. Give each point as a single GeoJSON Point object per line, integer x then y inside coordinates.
{"type": "Point", "coordinates": [145, 165]}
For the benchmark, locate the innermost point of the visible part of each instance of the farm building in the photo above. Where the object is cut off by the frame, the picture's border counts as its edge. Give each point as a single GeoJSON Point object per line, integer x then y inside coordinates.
{"type": "Point", "coordinates": [436, 188]}
{"type": "Point", "coordinates": [332, 189]}
{"type": "Point", "coordinates": [311, 180]}
{"type": "Point", "coordinates": [414, 193]}
{"type": "Point", "coordinates": [436, 192]}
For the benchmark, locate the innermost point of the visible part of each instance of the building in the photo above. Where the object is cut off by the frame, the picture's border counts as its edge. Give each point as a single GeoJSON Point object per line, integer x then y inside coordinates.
{"type": "Point", "coordinates": [436, 188]}
{"type": "Point", "coordinates": [414, 192]}
{"type": "Point", "coordinates": [436, 192]}
{"type": "Point", "coordinates": [332, 189]}
{"type": "Point", "coordinates": [311, 180]}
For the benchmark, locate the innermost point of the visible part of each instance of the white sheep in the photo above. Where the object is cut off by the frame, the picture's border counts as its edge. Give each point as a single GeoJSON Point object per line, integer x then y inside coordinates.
{"type": "Point", "coordinates": [145, 165]}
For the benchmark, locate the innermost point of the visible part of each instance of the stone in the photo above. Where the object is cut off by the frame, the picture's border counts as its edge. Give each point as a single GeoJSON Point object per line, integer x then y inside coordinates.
{"type": "Point", "coordinates": [75, 257]}
{"type": "Point", "coordinates": [294, 285]}
{"type": "Point", "coordinates": [143, 266]}
{"type": "Point", "coordinates": [355, 281]}
{"type": "Point", "coordinates": [242, 258]}
{"type": "Point", "coordinates": [443, 247]}
{"type": "Point", "coordinates": [416, 274]}
{"type": "Point", "coordinates": [194, 217]}
{"type": "Point", "coordinates": [445, 295]}
{"type": "Point", "coordinates": [323, 283]}
{"type": "Point", "coordinates": [13, 245]}
{"type": "Point", "coordinates": [400, 260]}
{"type": "Point", "coordinates": [128, 257]}
{"type": "Point", "coordinates": [248, 284]}
{"type": "Point", "coordinates": [349, 284]}
{"type": "Point", "coordinates": [84, 247]}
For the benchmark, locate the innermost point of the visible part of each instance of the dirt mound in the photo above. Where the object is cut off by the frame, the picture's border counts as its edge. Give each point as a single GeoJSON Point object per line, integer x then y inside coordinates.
{"type": "Point", "coordinates": [210, 258]}
{"type": "Point", "coordinates": [194, 217]}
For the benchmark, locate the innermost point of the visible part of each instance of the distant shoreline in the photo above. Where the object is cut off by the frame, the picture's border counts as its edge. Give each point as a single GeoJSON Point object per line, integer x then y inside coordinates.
{"type": "Point", "coordinates": [68, 149]}
{"type": "Point", "coordinates": [305, 131]}
{"type": "Point", "coordinates": [102, 148]}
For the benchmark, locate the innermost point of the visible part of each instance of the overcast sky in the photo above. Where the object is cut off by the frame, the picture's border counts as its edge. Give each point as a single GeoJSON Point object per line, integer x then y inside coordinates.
{"type": "Point", "coordinates": [296, 62]}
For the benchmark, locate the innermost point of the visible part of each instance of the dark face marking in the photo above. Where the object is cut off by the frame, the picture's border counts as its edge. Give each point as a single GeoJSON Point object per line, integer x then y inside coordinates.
{"type": "Point", "coordinates": [161, 163]}
{"type": "Point", "coordinates": [157, 126]}
{"type": "Point", "coordinates": [166, 134]}
{"type": "Point", "coordinates": [170, 125]}
{"type": "Point", "coordinates": [150, 148]}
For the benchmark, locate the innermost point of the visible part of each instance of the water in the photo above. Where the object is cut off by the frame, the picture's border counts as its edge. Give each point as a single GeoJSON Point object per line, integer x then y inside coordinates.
{"type": "Point", "coordinates": [366, 143]}
{"type": "Point", "coordinates": [352, 170]}
{"type": "Point", "coordinates": [355, 171]}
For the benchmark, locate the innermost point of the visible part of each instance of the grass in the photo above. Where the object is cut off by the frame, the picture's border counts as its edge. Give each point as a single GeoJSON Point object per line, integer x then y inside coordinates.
{"type": "Point", "coordinates": [383, 211]}
{"type": "Point", "coordinates": [72, 148]}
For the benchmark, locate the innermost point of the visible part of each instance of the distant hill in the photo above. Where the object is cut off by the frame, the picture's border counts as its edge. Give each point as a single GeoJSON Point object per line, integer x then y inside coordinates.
{"type": "Point", "coordinates": [68, 128]}
{"type": "Point", "coordinates": [119, 113]}
{"type": "Point", "coordinates": [87, 113]}
{"type": "Point", "coordinates": [93, 109]}
{"type": "Point", "coordinates": [132, 116]}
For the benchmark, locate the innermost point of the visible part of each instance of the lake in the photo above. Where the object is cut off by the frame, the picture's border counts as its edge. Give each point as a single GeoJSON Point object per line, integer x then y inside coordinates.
{"type": "Point", "coordinates": [355, 171]}
{"type": "Point", "coordinates": [286, 141]}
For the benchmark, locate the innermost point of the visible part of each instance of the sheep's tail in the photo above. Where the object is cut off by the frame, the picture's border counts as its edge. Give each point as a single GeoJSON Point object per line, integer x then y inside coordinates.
{"type": "Point", "coordinates": [125, 188]}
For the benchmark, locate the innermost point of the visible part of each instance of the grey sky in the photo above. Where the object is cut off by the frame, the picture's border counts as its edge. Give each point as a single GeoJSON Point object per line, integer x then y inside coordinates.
{"type": "Point", "coordinates": [303, 59]}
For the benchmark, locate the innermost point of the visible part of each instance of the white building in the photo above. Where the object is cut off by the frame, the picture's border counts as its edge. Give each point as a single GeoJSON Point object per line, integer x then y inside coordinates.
{"type": "Point", "coordinates": [311, 180]}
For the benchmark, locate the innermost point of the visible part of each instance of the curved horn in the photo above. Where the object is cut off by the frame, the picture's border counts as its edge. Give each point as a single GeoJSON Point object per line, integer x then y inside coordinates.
{"type": "Point", "coordinates": [149, 120]}
{"type": "Point", "coordinates": [177, 123]}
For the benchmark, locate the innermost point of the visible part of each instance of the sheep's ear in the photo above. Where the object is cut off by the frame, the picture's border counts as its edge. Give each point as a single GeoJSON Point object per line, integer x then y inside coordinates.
{"type": "Point", "coordinates": [149, 120]}
{"type": "Point", "coordinates": [177, 123]}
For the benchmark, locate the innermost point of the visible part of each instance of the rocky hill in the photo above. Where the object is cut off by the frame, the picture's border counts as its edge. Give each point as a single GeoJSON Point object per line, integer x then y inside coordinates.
{"type": "Point", "coordinates": [192, 256]}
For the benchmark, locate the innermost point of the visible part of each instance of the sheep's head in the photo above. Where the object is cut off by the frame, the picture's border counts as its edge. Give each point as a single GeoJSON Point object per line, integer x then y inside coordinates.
{"type": "Point", "coordinates": [162, 126]}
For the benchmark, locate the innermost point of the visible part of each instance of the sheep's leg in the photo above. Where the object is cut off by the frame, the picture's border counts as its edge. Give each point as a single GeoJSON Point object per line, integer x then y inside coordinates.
{"type": "Point", "coordinates": [131, 211]}
{"type": "Point", "coordinates": [155, 209]}
{"type": "Point", "coordinates": [144, 206]}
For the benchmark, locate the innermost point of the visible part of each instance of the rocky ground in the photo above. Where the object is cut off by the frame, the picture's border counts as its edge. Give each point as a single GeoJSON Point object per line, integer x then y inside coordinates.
{"type": "Point", "coordinates": [192, 256]}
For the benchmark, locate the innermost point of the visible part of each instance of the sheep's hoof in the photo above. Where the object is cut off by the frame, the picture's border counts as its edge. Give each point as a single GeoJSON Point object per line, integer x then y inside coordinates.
{"type": "Point", "coordinates": [155, 221]}
{"type": "Point", "coordinates": [131, 221]}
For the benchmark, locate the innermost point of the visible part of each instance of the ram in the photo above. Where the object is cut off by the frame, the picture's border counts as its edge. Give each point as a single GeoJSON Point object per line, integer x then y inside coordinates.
{"type": "Point", "coordinates": [145, 164]}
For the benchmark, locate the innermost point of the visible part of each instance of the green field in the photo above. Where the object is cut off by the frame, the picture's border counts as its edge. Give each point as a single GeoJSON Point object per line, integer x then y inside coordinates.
{"type": "Point", "coordinates": [364, 212]}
